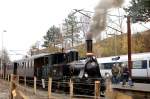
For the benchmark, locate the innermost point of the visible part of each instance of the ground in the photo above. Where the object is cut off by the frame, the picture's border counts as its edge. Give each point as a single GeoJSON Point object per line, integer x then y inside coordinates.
{"type": "Point", "coordinates": [27, 92]}
{"type": "Point", "coordinates": [4, 90]}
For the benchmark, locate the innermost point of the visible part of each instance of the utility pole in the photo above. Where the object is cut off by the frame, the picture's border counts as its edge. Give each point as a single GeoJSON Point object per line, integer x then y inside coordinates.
{"type": "Point", "coordinates": [129, 45]}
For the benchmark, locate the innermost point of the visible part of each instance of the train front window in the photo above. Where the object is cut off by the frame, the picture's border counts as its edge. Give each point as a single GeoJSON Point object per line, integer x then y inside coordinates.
{"type": "Point", "coordinates": [107, 65]}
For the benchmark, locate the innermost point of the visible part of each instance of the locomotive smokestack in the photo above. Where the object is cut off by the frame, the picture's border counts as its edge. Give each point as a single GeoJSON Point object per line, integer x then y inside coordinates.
{"type": "Point", "coordinates": [89, 45]}
{"type": "Point", "coordinates": [98, 23]}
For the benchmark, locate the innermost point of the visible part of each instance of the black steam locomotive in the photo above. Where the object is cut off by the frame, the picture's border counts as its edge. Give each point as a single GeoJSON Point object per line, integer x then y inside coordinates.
{"type": "Point", "coordinates": [61, 67]}
{"type": "Point", "coordinates": [86, 72]}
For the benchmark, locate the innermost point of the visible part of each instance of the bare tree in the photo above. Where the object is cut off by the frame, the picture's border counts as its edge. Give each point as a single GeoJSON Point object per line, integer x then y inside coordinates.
{"type": "Point", "coordinates": [84, 24]}
{"type": "Point", "coordinates": [71, 29]}
{"type": "Point", "coordinates": [5, 56]}
{"type": "Point", "coordinates": [52, 36]}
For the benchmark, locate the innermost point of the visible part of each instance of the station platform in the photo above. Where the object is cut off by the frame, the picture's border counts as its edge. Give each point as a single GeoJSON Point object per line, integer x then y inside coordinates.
{"type": "Point", "coordinates": [138, 87]}
{"type": "Point", "coordinates": [138, 91]}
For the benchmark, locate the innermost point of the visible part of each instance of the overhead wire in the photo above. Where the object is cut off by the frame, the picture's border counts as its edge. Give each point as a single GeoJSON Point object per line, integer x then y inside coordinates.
{"type": "Point", "coordinates": [79, 11]}
{"type": "Point", "coordinates": [145, 26]}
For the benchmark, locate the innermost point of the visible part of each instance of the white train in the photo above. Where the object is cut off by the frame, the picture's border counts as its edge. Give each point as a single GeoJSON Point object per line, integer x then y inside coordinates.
{"type": "Point", "coordinates": [140, 64]}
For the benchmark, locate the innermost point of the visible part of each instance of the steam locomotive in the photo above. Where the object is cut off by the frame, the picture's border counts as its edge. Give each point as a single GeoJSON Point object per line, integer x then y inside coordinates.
{"type": "Point", "coordinates": [86, 72]}
{"type": "Point", "coordinates": [61, 67]}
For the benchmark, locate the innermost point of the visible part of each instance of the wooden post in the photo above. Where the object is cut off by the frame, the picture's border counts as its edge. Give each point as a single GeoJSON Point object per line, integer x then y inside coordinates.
{"type": "Point", "coordinates": [34, 84]}
{"type": "Point", "coordinates": [97, 89]}
{"type": "Point", "coordinates": [25, 81]}
{"type": "Point", "coordinates": [13, 86]}
{"type": "Point", "coordinates": [49, 87]}
{"type": "Point", "coordinates": [18, 79]}
{"type": "Point", "coordinates": [71, 89]}
{"type": "Point", "coordinates": [8, 78]}
{"type": "Point", "coordinates": [108, 86]}
{"type": "Point", "coordinates": [5, 77]}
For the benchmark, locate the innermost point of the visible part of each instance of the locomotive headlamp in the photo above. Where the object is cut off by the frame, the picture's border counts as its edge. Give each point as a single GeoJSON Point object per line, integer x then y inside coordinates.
{"type": "Point", "coordinates": [107, 75]}
{"type": "Point", "coordinates": [86, 75]}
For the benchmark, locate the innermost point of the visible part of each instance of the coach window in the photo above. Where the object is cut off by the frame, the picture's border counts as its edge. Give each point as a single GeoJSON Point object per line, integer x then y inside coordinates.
{"type": "Point", "coordinates": [18, 65]}
{"type": "Point", "coordinates": [137, 64]}
{"type": "Point", "coordinates": [32, 63]}
{"type": "Point", "coordinates": [124, 63]}
{"type": "Point", "coordinates": [22, 64]}
{"type": "Point", "coordinates": [28, 64]}
{"type": "Point", "coordinates": [144, 64]}
{"type": "Point", "coordinates": [140, 64]}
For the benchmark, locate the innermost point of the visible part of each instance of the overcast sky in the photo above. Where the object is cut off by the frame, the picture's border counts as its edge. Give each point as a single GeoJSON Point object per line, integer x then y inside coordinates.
{"type": "Point", "coordinates": [27, 21]}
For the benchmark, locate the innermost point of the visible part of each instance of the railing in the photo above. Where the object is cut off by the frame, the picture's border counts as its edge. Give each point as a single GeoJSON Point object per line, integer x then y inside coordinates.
{"type": "Point", "coordinates": [17, 83]}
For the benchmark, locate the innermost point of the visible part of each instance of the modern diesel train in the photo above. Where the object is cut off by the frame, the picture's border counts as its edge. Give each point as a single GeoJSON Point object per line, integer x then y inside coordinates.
{"type": "Point", "coordinates": [140, 65]}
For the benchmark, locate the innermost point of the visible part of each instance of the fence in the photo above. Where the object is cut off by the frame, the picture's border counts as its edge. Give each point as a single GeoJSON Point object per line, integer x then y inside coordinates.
{"type": "Point", "coordinates": [15, 87]}
{"type": "Point", "coordinates": [16, 93]}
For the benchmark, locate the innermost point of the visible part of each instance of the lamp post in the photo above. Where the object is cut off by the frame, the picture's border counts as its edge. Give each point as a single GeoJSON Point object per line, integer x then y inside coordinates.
{"type": "Point", "coordinates": [2, 53]}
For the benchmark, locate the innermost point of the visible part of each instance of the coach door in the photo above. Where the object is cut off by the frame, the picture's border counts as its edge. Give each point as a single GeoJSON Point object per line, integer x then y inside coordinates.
{"type": "Point", "coordinates": [15, 68]}
{"type": "Point", "coordinates": [148, 68]}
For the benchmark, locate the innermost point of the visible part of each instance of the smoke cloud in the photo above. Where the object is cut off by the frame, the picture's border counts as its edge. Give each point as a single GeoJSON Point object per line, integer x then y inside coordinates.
{"type": "Point", "coordinates": [98, 23]}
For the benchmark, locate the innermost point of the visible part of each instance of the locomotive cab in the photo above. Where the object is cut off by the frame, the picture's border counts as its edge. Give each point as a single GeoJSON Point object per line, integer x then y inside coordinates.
{"type": "Point", "coordinates": [61, 64]}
